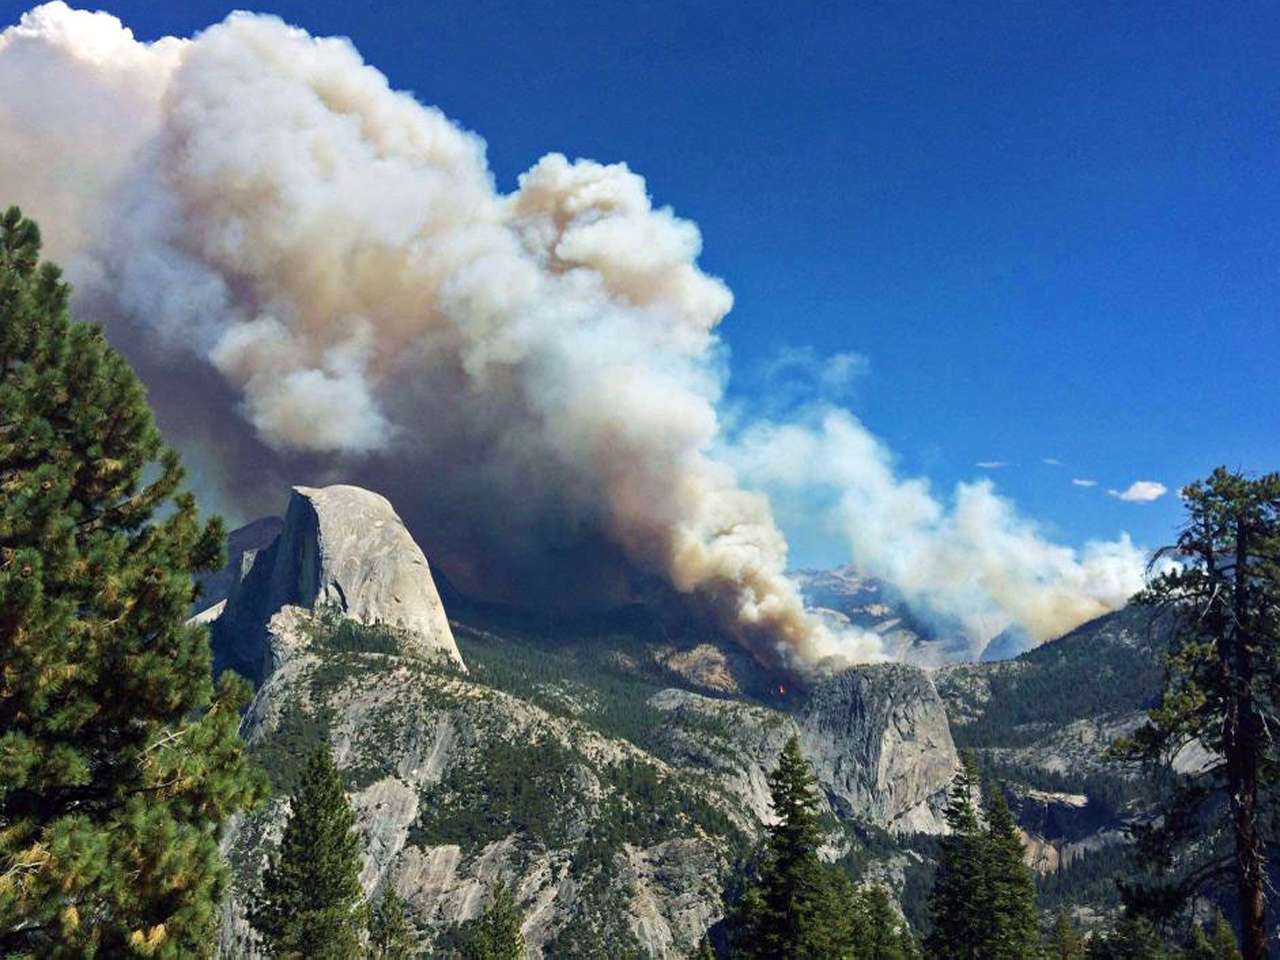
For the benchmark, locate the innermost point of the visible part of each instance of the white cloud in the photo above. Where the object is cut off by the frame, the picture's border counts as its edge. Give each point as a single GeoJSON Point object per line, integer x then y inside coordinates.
{"type": "Point", "coordinates": [829, 376]}
{"type": "Point", "coordinates": [991, 464]}
{"type": "Point", "coordinates": [1079, 482]}
{"type": "Point", "coordinates": [1141, 491]}
{"type": "Point", "coordinates": [1051, 461]}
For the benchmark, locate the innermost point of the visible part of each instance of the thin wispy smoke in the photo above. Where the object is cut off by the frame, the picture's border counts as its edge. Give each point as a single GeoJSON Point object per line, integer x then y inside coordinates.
{"type": "Point", "coordinates": [318, 278]}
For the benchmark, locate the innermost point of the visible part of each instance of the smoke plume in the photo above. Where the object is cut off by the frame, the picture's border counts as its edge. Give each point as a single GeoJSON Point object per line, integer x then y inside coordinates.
{"type": "Point", "coordinates": [974, 561]}
{"type": "Point", "coordinates": [317, 278]}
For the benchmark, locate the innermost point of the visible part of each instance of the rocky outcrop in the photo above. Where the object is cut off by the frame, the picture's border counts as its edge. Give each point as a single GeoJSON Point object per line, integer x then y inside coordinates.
{"type": "Point", "coordinates": [423, 749]}
{"type": "Point", "coordinates": [878, 739]}
{"type": "Point", "coordinates": [738, 743]}
{"type": "Point", "coordinates": [340, 548]}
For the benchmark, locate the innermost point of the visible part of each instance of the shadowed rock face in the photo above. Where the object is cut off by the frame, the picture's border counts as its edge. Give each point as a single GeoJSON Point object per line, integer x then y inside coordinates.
{"type": "Point", "coordinates": [341, 547]}
{"type": "Point", "coordinates": [249, 539]}
{"type": "Point", "coordinates": [880, 745]}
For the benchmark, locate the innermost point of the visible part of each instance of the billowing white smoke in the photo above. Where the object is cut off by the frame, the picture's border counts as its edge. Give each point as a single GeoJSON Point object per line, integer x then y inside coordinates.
{"type": "Point", "coordinates": [978, 562]}
{"type": "Point", "coordinates": [256, 213]}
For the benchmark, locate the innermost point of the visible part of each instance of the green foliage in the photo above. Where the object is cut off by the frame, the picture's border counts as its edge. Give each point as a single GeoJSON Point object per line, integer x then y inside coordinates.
{"type": "Point", "coordinates": [495, 934]}
{"type": "Point", "coordinates": [1218, 945]}
{"type": "Point", "coordinates": [511, 787]}
{"type": "Point", "coordinates": [645, 808]}
{"type": "Point", "coordinates": [1134, 938]}
{"type": "Point", "coordinates": [956, 903]}
{"type": "Point", "coordinates": [390, 934]}
{"type": "Point", "coordinates": [331, 631]}
{"type": "Point", "coordinates": [569, 678]}
{"type": "Point", "coordinates": [311, 905]}
{"type": "Point", "coordinates": [1040, 689]}
{"type": "Point", "coordinates": [1090, 878]}
{"type": "Point", "coordinates": [785, 914]}
{"type": "Point", "coordinates": [118, 758]}
{"type": "Point", "coordinates": [597, 928]}
{"type": "Point", "coordinates": [878, 932]}
{"type": "Point", "coordinates": [1012, 922]}
{"type": "Point", "coordinates": [285, 754]}
{"type": "Point", "coordinates": [1222, 691]}
{"type": "Point", "coordinates": [1065, 942]}
{"type": "Point", "coordinates": [983, 903]}
{"type": "Point", "coordinates": [799, 907]}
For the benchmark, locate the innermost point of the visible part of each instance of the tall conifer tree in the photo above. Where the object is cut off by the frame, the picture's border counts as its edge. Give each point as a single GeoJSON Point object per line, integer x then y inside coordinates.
{"type": "Point", "coordinates": [1013, 923]}
{"type": "Point", "coordinates": [798, 908]}
{"type": "Point", "coordinates": [879, 933]}
{"type": "Point", "coordinates": [118, 760]}
{"type": "Point", "coordinates": [1219, 945]}
{"type": "Point", "coordinates": [1134, 938]}
{"type": "Point", "coordinates": [312, 905]}
{"type": "Point", "coordinates": [957, 902]}
{"type": "Point", "coordinates": [1065, 942]}
{"type": "Point", "coordinates": [1222, 692]}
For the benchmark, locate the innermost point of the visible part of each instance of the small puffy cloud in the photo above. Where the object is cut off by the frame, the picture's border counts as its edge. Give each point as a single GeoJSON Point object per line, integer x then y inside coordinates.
{"type": "Point", "coordinates": [1051, 461]}
{"type": "Point", "coordinates": [1140, 491]}
{"type": "Point", "coordinates": [991, 464]}
{"type": "Point", "coordinates": [1080, 482]}
{"type": "Point", "coordinates": [831, 375]}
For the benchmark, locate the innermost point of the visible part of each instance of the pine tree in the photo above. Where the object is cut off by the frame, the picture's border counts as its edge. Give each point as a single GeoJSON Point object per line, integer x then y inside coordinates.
{"type": "Point", "coordinates": [1220, 946]}
{"type": "Point", "coordinates": [1222, 689]}
{"type": "Point", "coordinates": [799, 908]}
{"type": "Point", "coordinates": [879, 932]}
{"type": "Point", "coordinates": [1134, 938]}
{"type": "Point", "coordinates": [957, 902]}
{"type": "Point", "coordinates": [1225, 946]}
{"type": "Point", "coordinates": [311, 906]}
{"type": "Point", "coordinates": [1065, 942]}
{"type": "Point", "coordinates": [1013, 931]}
{"type": "Point", "coordinates": [118, 759]}
{"type": "Point", "coordinates": [390, 935]}
{"type": "Point", "coordinates": [495, 934]}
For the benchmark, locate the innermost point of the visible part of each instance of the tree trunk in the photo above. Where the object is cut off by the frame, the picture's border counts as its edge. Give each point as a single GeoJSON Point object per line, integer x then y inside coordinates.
{"type": "Point", "coordinates": [1243, 745]}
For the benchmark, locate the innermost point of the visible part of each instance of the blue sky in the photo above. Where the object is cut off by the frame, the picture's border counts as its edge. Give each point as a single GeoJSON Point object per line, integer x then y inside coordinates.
{"type": "Point", "coordinates": [1052, 230]}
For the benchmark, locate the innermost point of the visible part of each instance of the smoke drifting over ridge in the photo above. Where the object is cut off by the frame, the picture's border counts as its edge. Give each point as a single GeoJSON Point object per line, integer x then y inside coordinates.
{"type": "Point", "coordinates": [318, 279]}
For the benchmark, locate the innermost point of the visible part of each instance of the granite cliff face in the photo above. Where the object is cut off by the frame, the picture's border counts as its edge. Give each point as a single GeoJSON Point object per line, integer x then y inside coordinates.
{"type": "Point", "coordinates": [338, 547]}
{"type": "Point", "coordinates": [880, 745]}
{"type": "Point", "coordinates": [456, 784]}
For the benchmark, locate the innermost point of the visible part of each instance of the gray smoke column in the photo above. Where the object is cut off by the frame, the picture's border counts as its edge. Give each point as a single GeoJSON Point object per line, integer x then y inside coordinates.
{"type": "Point", "coordinates": [318, 279]}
